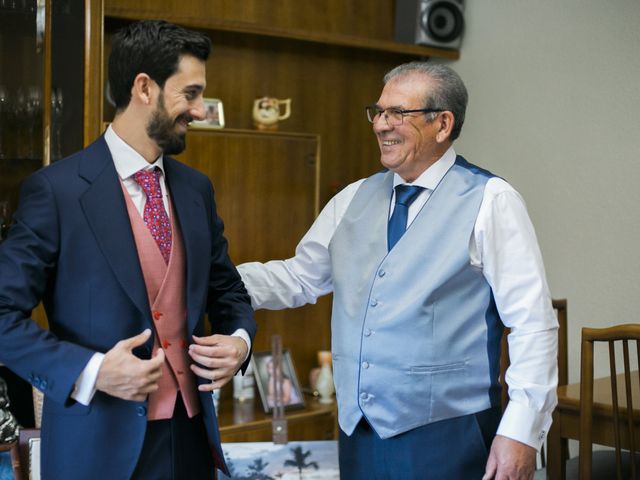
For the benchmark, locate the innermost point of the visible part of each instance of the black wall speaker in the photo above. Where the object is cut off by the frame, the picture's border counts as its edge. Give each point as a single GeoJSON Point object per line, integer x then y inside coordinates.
{"type": "Point", "coordinates": [437, 23]}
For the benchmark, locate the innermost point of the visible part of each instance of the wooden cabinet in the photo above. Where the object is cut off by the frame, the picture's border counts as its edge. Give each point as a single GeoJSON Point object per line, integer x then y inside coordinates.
{"type": "Point", "coordinates": [41, 92]}
{"type": "Point", "coordinates": [266, 187]}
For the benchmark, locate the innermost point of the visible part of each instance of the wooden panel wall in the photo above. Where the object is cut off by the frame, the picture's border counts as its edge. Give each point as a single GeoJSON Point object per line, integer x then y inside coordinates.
{"type": "Point", "coordinates": [329, 85]}
{"type": "Point", "coordinates": [364, 18]}
{"type": "Point", "coordinates": [265, 192]}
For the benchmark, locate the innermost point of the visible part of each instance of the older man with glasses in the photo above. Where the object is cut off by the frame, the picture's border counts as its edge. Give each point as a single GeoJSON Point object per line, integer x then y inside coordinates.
{"type": "Point", "coordinates": [427, 261]}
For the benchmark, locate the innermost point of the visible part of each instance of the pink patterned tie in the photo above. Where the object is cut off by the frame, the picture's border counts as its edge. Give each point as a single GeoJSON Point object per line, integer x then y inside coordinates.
{"type": "Point", "coordinates": [155, 216]}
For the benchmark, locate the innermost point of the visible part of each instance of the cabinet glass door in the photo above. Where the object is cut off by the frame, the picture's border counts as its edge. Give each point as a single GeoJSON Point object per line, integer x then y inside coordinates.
{"type": "Point", "coordinates": [41, 81]}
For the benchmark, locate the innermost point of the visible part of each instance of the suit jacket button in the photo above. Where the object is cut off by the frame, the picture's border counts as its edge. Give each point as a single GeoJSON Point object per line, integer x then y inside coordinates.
{"type": "Point", "coordinates": [141, 411]}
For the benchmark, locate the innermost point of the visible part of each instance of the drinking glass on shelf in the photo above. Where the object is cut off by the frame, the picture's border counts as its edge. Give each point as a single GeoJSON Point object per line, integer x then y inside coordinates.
{"type": "Point", "coordinates": [34, 118]}
{"type": "Point", "coordinates": [20, 123]}
{"type": "Point", "coordinates": [5, 219]}
{"type": "Point", "coordinates": [57, 104]}
{"type": "Point", "coordinates": [4, 120]}
{"type": "Point", "coordinates": [8, 4]}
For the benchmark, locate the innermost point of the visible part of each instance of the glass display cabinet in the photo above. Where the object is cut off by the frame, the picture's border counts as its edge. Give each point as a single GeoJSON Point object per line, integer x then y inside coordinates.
{"type": "Point", "coordinates": [41, 91]}
{"type": "Point", "coordinates": [41, 112]}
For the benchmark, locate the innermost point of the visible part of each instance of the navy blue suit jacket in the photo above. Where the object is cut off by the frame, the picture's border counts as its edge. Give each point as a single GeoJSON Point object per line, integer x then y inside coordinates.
{"type": "Point", "coordinates": [72, 247]}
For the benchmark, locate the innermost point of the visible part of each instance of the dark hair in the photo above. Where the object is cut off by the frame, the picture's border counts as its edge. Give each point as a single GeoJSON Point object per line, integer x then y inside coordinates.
{"type": "Point", "coordinates": [153, 47]}
{"type": "Point", "coordinates": [449, 92]}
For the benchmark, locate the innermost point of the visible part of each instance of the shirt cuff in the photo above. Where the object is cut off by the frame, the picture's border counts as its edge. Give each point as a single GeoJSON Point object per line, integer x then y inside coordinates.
{"type": "Point", "coordinates": [525, 425]}
{"type": "Point", "coordinates": [243, 334]}
{"type": "Point", "coordinates": [85, 387]}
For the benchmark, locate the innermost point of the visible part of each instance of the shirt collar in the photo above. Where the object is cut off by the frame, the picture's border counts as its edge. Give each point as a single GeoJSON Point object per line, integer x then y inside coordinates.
{"type": "Point", "coordinates": [126, 160]}
{"type": "Point", "coordinates": [432, 176]}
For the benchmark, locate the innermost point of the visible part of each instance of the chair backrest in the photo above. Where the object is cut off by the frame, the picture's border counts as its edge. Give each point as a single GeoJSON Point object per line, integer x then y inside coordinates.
{"type": "Point", "coordinates": [560, 306]}
{"type": "Point", "coordinates": [622, 414]}
{"type": "Point", "coordinates": [22, 453]}
{"type": "Point", "coordinates": [38, 401]}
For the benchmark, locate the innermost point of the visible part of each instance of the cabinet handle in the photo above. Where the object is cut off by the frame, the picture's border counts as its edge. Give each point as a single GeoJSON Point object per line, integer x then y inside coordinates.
{"type": "Point", "coordinates": [40, 21]}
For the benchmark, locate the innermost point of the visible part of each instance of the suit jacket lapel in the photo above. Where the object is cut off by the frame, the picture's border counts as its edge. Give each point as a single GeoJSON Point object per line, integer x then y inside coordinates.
{"type": "Point", "coordinates": [190, 212]}
{"type": "Point", "coordinates": [106, 213]}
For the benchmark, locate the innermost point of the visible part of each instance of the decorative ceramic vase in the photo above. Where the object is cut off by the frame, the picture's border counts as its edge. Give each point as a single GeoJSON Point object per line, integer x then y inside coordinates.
{"type": "Point", "coordinates": [266, 112]}
{"type": "Point", "coordinates": [324, 384]}
{"type": "Point", "coordinates": [243, 385]}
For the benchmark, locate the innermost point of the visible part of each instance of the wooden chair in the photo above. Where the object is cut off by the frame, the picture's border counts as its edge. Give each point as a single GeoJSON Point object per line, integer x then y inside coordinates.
{"type": "Point", "coordinates": [625, 429]}
{"type": "Point", "coordinates": [21, 453]}
{"type": "Point", "coordinates": [560, 306]}
{"type": "Point", "coordinates": [23, 450]}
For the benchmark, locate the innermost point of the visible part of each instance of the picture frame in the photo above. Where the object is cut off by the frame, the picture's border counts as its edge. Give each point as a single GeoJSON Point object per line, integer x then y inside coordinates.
{"type": "Point", "coordinates": [292, 393]}
{"type": "Point", "coordinates": [214, 114]}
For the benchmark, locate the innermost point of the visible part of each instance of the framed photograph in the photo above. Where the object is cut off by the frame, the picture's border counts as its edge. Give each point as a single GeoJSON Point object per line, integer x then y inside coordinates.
{"type": "Point", "coordinates": [263, 371]}
{"type": "Point", "coordinates": [214, 115]}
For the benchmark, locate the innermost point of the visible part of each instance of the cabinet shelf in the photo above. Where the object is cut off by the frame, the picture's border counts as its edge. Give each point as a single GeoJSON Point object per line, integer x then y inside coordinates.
{"type": "Point", "coordinates": [324, 38]}
{"type": "Point", "coordinates": [246, 421]}
{"type": "Point", "coordinates": [251, 132]}
{"type": "Point", "coordinates": [13, 162]}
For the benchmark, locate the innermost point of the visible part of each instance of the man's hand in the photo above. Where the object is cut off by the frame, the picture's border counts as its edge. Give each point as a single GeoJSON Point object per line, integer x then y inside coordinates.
{"type": "Point", "coordinates": [218, 358]}
{"type": "Point", "coordinates": [124, 375]}
{"type": "Point", "coordinates": [510, 460]}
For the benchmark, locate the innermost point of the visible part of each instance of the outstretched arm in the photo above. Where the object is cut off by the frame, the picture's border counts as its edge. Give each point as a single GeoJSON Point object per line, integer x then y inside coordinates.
{"type": "Point", "coordinates": [303, 278]}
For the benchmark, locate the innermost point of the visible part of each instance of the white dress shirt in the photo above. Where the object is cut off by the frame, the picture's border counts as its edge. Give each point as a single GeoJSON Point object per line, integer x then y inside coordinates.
{"type": "Point", "coordinates": [503, 244]}
{"type": "Point", "coordinates": [127, 162]}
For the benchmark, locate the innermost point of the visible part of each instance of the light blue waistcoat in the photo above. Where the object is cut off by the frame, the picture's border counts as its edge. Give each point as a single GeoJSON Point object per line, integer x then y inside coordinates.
{"type": "Point", "coordinates": [415, 331]}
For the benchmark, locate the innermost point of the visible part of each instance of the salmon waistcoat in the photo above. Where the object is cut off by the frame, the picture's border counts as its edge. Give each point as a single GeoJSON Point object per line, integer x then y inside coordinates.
{"type": "Point", "coordinates": [166, 292]}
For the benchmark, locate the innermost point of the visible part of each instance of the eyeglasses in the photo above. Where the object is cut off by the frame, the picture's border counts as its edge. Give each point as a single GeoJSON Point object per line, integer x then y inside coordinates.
{"type": "Point", "coordinates": [394, 116]}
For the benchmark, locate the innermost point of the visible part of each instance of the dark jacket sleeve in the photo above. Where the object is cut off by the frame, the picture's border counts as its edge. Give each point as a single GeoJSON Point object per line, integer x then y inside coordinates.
{"type": "Point", "coordinates": [28, 261]}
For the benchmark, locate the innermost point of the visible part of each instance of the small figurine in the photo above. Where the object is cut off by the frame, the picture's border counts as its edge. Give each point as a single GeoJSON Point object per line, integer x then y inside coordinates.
{"type": "Point", "coordinates": [324, 383]}
{"type": "Point", "coordinates": [8, 424]}
{"type": "Point", "coordinates": [266, 112]}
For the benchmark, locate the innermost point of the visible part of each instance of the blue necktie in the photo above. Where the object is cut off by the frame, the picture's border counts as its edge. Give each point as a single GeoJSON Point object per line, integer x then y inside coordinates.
{"type": "Point", "coordinates": [405, 195]}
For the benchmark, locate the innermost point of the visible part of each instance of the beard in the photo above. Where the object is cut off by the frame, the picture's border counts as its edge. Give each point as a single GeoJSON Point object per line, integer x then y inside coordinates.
{"type": "Point", "coordinates": [162, 129]}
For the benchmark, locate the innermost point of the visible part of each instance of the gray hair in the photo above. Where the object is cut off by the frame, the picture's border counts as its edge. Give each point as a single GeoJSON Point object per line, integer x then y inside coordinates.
{"type": "Point", "coordinates": [449, 92]}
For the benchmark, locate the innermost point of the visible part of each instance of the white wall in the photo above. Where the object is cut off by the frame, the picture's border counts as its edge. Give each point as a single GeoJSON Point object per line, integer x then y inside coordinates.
{"type": "Point", "coordinates": [554, 108]}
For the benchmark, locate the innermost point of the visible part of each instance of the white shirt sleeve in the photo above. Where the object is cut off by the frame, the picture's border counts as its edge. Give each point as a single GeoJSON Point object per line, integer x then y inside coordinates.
{"type": "Point", "coordinates": [303, 278]}
{"type": "Point", "coordinates": [243, 334]}
{"type": "Point", "coordinates": [85, 387]}
{"type": "Point", "coordinates": [505, 245]}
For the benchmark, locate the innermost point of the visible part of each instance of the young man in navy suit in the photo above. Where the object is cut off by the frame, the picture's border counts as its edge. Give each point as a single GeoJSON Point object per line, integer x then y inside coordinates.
{"type": "Point", "coordinates": [125, 249]}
